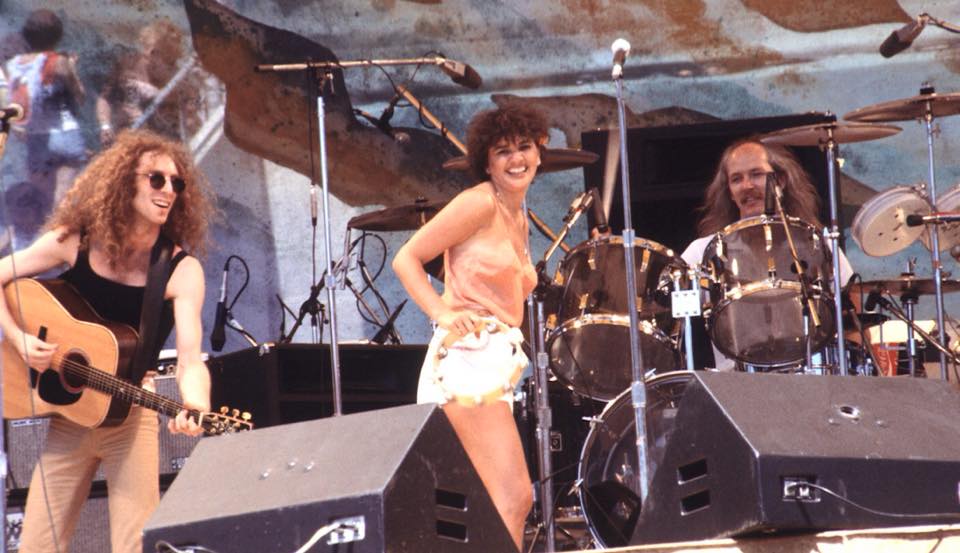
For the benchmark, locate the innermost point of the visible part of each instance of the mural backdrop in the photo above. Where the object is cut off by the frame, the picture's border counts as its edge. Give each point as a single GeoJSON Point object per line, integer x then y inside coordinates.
{"type": "Point", "coordinates": [187, 70]}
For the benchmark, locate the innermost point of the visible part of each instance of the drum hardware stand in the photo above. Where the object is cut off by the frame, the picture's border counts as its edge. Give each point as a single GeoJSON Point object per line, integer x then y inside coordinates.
{"type": "Point", "coordinates": [898, 313]}
{"type": "Point", "coordinates": [833, 237]}
{"type": "Point", "coordinates": [686, 304]}
{"type": "Point", "coordinates": [935, 234]}
{"type": "Point", "coordinates": [638, 389]}
{"type": "Point", "coordinates": [542, 399]}
{"type": "Point", "coordinates": [909, 299]}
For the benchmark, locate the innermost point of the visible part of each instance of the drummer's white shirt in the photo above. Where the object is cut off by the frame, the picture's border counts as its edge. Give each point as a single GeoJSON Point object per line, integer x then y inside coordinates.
{"type": "Point", "coordinates": [693, 255]}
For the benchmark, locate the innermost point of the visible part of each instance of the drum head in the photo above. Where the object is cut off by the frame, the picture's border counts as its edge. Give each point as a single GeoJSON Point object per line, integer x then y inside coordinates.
{"type": "Point", "coordinates": [880, 226]}
{"type": "Point", "coordinates": [609, 475]}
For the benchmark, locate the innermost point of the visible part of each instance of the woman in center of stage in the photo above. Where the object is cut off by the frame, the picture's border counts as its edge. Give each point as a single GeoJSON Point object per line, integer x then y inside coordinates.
{"type": "Point", "coordinates": [488, 275]}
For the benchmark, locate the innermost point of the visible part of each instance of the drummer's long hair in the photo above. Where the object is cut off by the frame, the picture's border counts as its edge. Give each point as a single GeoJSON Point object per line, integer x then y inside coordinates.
{"type": "Point", "coordinates": [800, 198]}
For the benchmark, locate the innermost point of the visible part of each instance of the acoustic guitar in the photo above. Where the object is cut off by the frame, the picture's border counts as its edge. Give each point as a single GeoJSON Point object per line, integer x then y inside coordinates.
{"type": "Point", "coordinates": [85, 383]}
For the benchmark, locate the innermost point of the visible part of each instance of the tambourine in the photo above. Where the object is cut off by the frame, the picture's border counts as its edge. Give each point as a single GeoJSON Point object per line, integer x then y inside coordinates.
{"type": "Point", "coordinates": [482, 366]}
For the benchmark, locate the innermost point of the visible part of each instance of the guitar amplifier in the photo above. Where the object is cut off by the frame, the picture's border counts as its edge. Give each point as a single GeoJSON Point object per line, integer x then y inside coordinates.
{"type": "Point", "coordinates": [26, 437]}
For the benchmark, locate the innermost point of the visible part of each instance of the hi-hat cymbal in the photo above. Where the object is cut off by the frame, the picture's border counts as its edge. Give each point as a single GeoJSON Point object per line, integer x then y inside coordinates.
{"type": "Point", "coordinates": [916, 107]}
{"type": "Point", "coordinates": [551, 160]}
{"type": "Point", "coordinates": [402, 217]}
{"type": "Point", "coordinates": [904, 284]}
{"type": "Point", "coordinates": [820, 133]}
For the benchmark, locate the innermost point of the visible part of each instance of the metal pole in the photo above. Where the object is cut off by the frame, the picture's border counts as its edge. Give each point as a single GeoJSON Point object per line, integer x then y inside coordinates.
{"type": "Point", "coordinates": [935, 242]}
{"type": "Point", "coordinates": [544, 424]}
{"type": "Point", "coordinates": [330, 281]}
{"type": "Point", "coordinates": [834, 237]}
{"type": "Point", "coordinates": [638, 390]}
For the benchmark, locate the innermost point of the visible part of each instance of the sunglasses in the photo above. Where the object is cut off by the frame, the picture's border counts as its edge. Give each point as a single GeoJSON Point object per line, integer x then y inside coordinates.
{"type": "Point", "coordinates": [158, 180]}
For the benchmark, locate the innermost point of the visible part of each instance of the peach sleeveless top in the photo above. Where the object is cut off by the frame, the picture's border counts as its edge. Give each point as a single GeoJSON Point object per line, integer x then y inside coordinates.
{"type": "Point", "coordinates": [490, 276]}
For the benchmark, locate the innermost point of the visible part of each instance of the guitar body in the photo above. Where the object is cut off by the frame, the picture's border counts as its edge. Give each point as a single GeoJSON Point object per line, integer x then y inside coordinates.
{"type": "Point", "coordinates": [82, 338]}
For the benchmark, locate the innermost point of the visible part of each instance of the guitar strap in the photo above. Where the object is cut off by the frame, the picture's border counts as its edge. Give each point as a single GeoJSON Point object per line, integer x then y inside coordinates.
{"type": "Point", "coordinates": [157, 277]}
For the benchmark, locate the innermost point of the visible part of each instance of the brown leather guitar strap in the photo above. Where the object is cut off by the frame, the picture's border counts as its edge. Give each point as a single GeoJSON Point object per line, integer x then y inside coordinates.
{"type": "Point", "coordinates": [150, 314]}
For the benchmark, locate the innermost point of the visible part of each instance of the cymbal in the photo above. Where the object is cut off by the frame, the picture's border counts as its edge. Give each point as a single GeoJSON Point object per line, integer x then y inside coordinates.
{"type": "Point", "coordinates": [842, 133]}
{"type": "Point", "coordinates": [551, 160]}
{"type": "Point", "coordinates": [902, 284]}
{"type": "Point", "coordinates": [402, 217]}
{"type": "Point", "coordinates": [915, 107]}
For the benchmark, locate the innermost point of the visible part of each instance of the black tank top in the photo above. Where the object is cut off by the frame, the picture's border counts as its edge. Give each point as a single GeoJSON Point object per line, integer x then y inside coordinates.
{"type": "Point", "coordinates": [118, 302]}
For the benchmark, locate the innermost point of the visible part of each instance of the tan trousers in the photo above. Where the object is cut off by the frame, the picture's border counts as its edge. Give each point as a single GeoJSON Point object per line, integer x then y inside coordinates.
{"type": "Point", "coordinates": [128, 453]}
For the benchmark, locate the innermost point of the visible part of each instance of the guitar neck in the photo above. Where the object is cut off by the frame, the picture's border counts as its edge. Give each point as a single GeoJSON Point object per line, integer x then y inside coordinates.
{"type": "Point", "coordinates": [123, 390]}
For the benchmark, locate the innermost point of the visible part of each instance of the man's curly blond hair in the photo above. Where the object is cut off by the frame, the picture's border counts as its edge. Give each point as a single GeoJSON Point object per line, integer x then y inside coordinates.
{"type": "Point", "coordinates": [100, 202]}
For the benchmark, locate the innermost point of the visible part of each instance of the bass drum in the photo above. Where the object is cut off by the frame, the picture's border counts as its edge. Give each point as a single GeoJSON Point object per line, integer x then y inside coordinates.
{"type": "Point", "coordinates": [608, 474]}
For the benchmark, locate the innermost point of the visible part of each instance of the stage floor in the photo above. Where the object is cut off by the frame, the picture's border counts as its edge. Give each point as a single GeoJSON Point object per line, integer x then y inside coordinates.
{"type": "Point", "coordinates": [911, 539]}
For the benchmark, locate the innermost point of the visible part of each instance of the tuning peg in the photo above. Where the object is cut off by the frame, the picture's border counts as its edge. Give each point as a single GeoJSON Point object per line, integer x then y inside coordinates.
{"type": "Point", "coordinates": [224, 409]}
{"type": "Point", "coordinates": [235, 413]}
{"type": "Point", "coordinates": [246, 416]}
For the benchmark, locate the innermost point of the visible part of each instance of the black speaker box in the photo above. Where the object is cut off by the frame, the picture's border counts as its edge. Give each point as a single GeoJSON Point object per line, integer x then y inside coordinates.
{"type": "Point", "coordinates": [744, 445]}
{"type": "Point", "coordinates": [26, 438]}
{"type": "Point", "coordinates": [390, 480]}
{"type": "Point", "coordinates": [292, 382]}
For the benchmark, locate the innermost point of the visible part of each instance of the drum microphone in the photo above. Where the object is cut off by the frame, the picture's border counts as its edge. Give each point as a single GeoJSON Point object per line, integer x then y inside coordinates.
{"type": "Point", "coordinates": [769, 198]}
{"type": "Point", "coordinates": [580, 203]}
{"type": "Point", "coordinates": [873, 298]}
{"type": "Point", "coordinates": [916, 220]}
{"type": "Point", "coordinates": [902, 38]}
{"type": "Point", "coordinates": [620, 49]}
{"type": "Point", "coordinates": [461, 73]}
{"type": "Point", "coordinates": [599, 217]}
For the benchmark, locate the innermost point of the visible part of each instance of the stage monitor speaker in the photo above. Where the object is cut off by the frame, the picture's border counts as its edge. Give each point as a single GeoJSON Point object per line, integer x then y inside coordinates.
{"type": "Point", "coordinates": [744, 446]}
{"type": "Point", "coordinates": [391, 480]}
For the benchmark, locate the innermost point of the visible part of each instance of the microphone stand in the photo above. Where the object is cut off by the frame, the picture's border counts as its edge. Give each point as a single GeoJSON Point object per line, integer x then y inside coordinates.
{"type": "Point", "coordinates": [638, 389]}
{"type": "Point", "coordinates": [4, 465]}
{"type": "Point", "coordinates": [806, 298]}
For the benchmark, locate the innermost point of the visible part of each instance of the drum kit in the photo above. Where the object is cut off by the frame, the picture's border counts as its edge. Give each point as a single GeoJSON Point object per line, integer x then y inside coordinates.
{"type": "Point", "coordinates": [756, 307]}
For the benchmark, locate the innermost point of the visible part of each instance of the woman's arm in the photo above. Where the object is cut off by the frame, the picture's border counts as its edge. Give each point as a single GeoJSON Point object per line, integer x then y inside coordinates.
{"type": "Point", "coordinates": [466, 215]}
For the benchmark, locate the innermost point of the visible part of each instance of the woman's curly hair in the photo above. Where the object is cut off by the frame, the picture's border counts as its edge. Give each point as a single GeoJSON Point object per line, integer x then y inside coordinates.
{"type": "Point", "coordinates": [100, 202]}
{"type": "Point", "coordinates": [489, 127]}
{"type": "Point", "coordinates": [800, 197]}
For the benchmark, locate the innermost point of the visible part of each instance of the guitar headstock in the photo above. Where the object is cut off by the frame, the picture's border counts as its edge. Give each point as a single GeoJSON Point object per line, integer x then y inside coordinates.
{"type": "Point", "coordinates": [227, 421]}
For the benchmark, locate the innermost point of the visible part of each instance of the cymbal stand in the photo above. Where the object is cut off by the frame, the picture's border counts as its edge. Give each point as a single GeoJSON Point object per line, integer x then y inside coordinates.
{"type": "Point", "coordinates": [638, 388]}
{"type": "Point", "coordinates": [833, 237]}
{"type": "Point", "coordinates": [945, 353]}
{"type": "Point", "coordinates": [935, 234]}
{"type": "Point", "coordinates": [4, 462]}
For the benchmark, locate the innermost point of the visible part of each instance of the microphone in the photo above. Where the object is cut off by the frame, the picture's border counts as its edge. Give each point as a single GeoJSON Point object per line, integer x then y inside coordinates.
{"type": "Point", "coordinates": [873, 298]}
{"type": "Point", "coordinates": [916, 220]}
{"type": "Point", "coordinates": [580, 203]}
{"type": "Point", "coordinates": [599, 217]}
{"type": "Point", "coordinates": [13, 112]}
{"type": "Point", "coordinates": [902, 38]}
{"type": "Point", "coordinates": [769, 196]}
{"type": "Point", "coordinates": [383, 123]}
{"type": "Point", "coordinates": [461, 73]}
{"type": "Point", "coordinates": [218, 334]}
{"type": "Point", "coordinates": [387, 329]}
{"type": "Point", "coordinates": [620, 49]}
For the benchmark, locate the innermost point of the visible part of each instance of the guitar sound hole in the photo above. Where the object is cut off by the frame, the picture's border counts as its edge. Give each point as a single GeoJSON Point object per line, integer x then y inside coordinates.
{"type": "Point", "coordinates": [74, 371]}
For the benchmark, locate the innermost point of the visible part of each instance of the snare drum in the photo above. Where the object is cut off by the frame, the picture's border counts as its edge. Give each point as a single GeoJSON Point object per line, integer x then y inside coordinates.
{"type": "Point", "coordinates": [756, 315]}
{"type": "Point", "coordinates": [880, 226]}
{"type": "Point", "coordinates": [589, 349]}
